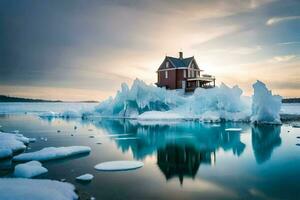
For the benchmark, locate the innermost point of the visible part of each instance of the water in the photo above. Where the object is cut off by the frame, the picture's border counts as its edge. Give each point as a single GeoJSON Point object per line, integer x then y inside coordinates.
{"type": "Point", "coordinates": [184, 160]}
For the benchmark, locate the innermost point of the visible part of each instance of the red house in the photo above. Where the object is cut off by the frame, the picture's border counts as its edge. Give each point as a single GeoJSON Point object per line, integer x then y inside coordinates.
{"type": "Point", "coordinates": [182, 73]}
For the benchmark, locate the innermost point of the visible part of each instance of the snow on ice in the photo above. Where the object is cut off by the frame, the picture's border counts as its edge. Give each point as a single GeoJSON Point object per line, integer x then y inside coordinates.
{"type": "Point", "coordinates": [119, 165]}
{"type": "Point", "coordinates": [35, 189]}
{"type": "Point", "coordinates": [50, 153]}
{"type": "Point", "coordinates": [29, 169]}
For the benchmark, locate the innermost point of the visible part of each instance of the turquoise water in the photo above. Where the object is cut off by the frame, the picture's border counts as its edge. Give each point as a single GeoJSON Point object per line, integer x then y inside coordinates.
{"type": "Point", "coordinates": [183, 160]}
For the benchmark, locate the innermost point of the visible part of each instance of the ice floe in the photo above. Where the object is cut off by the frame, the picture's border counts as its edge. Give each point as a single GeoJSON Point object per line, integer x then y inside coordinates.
{"type": "Point", "coordinates": [50, 153]}
{"type": "Point", "coordinates": [10, 142]}
{"type": "Point", "coordinates": [29, 169]}
{"type": "Point", "coordinates": [85, 177]}
{"type": "Point", "coordinates": [119, 165]}
{"type": "Point", "coordinates": [35, 189]}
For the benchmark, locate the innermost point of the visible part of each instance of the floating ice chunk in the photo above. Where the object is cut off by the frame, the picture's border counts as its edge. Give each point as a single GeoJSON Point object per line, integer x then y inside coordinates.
{"type": "Point", "coordinates": [49, 114]}
{"type": "Point", "coordinates": [29, 169]}
{"type": "Point", "coordinates": [51, 153]}
{"type": "Point", "coordinates": [70, 114]}
{"type": "Point", "coordinates": [234, 129]}
{"type": "Point", "coordinates": [85, 177]}
{"type": "Point", "coordinates": [119, 165]}
{"type": "Point", "coordinates": [5, 152]}
{"type": "Point", "coordinates": [35, 189]}
{"type": "Point", "coordinates": [265, 106]}
{"type": "Point", "coordinates": [32, 139]}
{"type": "Point", "coordinates": [14, 142]}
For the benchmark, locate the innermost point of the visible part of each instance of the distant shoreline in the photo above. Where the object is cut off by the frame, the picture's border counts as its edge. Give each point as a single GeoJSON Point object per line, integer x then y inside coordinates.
{"type": "Point", "coordinates": [9, 99]}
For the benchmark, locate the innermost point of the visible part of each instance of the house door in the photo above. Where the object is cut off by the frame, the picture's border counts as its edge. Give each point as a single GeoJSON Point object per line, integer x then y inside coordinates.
{"type": "Point", "coordinates": [183, 84]}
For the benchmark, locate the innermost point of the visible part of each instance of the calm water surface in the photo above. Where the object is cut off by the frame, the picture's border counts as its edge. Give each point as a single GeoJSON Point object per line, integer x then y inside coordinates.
{"type": "Point", "coordinates": [186, 160]}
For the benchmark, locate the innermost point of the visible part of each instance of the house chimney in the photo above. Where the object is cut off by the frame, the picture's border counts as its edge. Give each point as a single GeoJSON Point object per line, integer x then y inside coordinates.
{"type": "Point", "coordinates": [180, 54]}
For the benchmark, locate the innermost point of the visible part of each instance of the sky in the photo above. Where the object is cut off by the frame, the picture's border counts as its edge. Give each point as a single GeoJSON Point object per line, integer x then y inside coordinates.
{"type": "Point", "coordinates": [84, 50]}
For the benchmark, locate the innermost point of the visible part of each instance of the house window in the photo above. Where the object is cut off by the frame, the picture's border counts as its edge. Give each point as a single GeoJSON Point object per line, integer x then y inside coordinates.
{"type": "Point", "coordinates": [166, 74]}
{"type": "Point", "coordinates": [189, 73]}
{"type": "Point", "coordinates": [198, 73]}
{"type": "Point", "coordinates": [167, 64]}
{"type": "Point", "coordinates": [184, 73]}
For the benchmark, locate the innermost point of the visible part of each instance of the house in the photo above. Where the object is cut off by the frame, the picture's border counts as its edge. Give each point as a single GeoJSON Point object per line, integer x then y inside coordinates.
{"type": "Point", "coordinates": [182, 73]}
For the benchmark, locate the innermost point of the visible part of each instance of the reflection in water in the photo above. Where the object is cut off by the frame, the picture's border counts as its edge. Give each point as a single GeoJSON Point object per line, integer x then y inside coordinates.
{"type": "Point", "coordinates": [182, 161]}
{"type": "Point", "coordinates": [264, 139]}
{"type": "Point", "coordinates": [180, 148]}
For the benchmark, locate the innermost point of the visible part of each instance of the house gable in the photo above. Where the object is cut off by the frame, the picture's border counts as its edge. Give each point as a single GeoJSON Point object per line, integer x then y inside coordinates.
{"type": "Point", "coordinates": [164, 64]}
{"type": "Point", "coordinates": [193, 64]}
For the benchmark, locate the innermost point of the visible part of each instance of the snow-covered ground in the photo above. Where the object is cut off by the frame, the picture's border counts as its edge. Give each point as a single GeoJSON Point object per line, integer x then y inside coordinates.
{"type": "Point", "coordinates": [35, 189]}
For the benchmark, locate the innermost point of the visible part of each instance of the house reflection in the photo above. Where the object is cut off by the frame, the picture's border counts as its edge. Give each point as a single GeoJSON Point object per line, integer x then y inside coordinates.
{"type": "Point", "coordinates": [265, 138]}
{"type": "Point", "coordinates": [182, 161]}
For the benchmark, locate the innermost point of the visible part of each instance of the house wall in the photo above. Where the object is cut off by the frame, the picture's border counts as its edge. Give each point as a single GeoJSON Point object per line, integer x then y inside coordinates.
{"type": "Point", "coordinates": [180, 77]}
{"type": "Point", "coordinates": [170, 82]}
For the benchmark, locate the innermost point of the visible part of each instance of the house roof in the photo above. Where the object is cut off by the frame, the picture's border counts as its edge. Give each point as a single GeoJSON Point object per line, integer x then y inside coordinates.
{"type": "Point", "coordinates": [178, 63]}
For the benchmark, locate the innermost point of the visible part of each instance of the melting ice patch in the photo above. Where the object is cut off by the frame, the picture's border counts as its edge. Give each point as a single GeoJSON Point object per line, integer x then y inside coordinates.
{"type": "Point", "coordinates": [51, 153]}
{"type": "Point", "coordinates": [34, 189]}
{"type": "Point", "coordinates": [29, 169]}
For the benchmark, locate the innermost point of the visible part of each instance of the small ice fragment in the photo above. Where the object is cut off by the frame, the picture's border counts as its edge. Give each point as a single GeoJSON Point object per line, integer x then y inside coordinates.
{"type": "Point", "coordinates": [51, 153]}
{"type": "Point", "coordinates": [29, 169]}
{"type": "Point", "coordinates": [16, 131]}
{"type": "Point", "coordinates": [85, 177]}
{"type": "Point", "coordinates": [63, 180]}
{"type": "Point", "coordinates": [119, 165]}
{"type": "Point", "coordinates": [93, 198]}
{"type": "Point", "coordinates": [233, 129]}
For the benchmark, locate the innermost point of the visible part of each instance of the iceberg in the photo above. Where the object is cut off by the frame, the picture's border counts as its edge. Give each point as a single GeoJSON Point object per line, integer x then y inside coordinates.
{"type": "Point", "coordinates": [51, 153]}
{"type": "Point", "coordinates": [35, 189]}
{"type": "Point", "coordinates": [222, 103]}
{"type": "Point", "coordinates": [29, 169]}
{"type": "Point", "coordinates": [265, 106]}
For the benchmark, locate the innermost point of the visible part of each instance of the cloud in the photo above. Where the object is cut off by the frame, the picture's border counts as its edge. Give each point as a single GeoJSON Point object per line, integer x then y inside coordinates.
{"type": "Point", "coordinates": [288, 43]}
{"type": "Point", "coordinates": [238, 50]}
{"type": "Point", "coordinates": [285, 58]}
{"type": "Point", "coordinates": [276, 20]}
